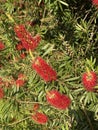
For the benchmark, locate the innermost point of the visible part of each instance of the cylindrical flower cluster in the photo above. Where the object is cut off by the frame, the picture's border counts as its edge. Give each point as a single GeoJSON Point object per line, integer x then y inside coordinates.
{"type": "Point", "coordinates": [2, 46]}
{"type": "Point", "coordinates": [40, 118]}
{"type": "Point", "coordinates": [89, 80]}
{"type": "Point", "coordinates": [21, 80]}
{"type": "Point", "coordinates": [45, 71]}
{"type": "Point", "coordinates": [1, 93]}
{"type": "Point", "coordinates": [95, 2]}
{"type": "Point", "coordinates": [58, 100]}
{"type": "Point", "coordinates": [28, 42]}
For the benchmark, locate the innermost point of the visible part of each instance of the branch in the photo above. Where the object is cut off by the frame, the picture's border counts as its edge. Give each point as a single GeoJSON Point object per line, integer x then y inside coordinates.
{"type": "Point", "coordinates": [17, 122]}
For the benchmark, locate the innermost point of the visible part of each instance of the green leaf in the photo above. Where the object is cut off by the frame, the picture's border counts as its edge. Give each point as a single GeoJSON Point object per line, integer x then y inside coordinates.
{"type": "Point", "coordinates": [49, 50]}
{"type": "Point", "coordinates": [62, 2]}
{"type": "Point", "coordinates": [72, 79]}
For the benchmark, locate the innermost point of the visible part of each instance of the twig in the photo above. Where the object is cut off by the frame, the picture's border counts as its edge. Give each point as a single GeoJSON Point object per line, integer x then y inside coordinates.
{"type": "Point", "coordinates": [17, 122]}
{"type": "Point", "coordinates": [24, 102]}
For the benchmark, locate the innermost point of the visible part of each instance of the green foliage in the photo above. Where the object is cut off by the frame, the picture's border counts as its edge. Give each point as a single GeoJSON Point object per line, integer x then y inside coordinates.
{"type": "Point", "coordinates": [69, 31]}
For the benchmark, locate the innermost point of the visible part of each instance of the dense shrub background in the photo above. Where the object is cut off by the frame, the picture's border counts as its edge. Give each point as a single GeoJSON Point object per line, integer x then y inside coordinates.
{"type": "Point", "coordinates": [69, 32]}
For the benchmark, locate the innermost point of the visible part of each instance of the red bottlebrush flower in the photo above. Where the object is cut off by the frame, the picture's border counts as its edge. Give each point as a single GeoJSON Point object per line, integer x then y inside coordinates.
{"type": "Point", "coordinates": [19, 46]}
{"type": "Point", "coordinates": [1, 46]}
{"type": "Point", "coordinates": [36, 107]}
{"type": "Point", "coordinates": [65, 102]}
{"type": "Point", "coordinates": [21, 76]}
{"type": "Point", "coordinates": [95, 2]}
{"type": "Point", "coordinates": [20, 82]}
{"type": "Point", "coordinates": [28, 42]}
{"type": "Point", "coordinates": [58, 100]}
{"type": "Point", "coordinates": [89, 80]}
{"type": "Point", "coordinates": [37, 38]}
{"type": "Point", "coordinates": [40, 118]}
{"type": "Point", "coordinates": [44, 70]}
{"type": "Point", "coordinates": [22, 55]}
{"type": "Point", "coordinates": [1, 93]}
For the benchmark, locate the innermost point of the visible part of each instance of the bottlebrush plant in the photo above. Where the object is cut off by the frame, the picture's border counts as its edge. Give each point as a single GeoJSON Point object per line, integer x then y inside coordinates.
{"type": "Point", "coordinates": [1, 93]}
{"type": "Point", "coordinates": [58, 100]}
{"type": "Point", "coordinates": [40, 118]}
{"type": "Point", "coordinates": [45, 48]}
{"type": "Point", "coordinates": [89, 80]}
{"type": "Point", "coordinates": [95, 2]}
{"type": "Point", "coordinates": [28, 42]}
{"type": "Point", "coordinates": [44, 70]}
{"type": "Point", "coordinates": [1, 46]}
